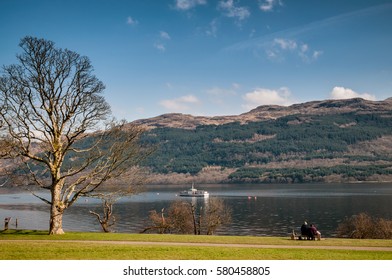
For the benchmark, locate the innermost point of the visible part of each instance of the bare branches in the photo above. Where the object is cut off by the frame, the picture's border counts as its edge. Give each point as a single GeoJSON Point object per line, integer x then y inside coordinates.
{"type": "Point", "coordinates": [50, 104]}
{"type": "Point", "coordinates": [115, 155]}
{"type": "Point", "coordinates": [41, 198]}
{"type": "Point", "coordinates": [184, 217]}
{"type": "Point", "coordinates": [108, 220]}
{"type": "Point", "coordinates": [51, 93]}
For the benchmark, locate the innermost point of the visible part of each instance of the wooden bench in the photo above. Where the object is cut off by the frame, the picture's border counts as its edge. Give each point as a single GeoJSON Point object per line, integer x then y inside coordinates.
{"type": "Point", "coordinates": [295, 236]}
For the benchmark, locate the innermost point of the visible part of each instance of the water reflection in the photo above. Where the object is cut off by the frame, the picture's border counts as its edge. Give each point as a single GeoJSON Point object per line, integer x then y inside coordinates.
{"type": "Point", "coordinates": [261, 210]}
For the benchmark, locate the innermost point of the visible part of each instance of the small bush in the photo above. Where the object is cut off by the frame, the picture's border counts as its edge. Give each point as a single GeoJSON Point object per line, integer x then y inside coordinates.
{"type": "Point", "coordinates": [363, 226]}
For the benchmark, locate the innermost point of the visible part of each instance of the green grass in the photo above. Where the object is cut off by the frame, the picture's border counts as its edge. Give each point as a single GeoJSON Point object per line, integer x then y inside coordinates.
{"type": "Point", "coordinates": [34, 245]}
{"type": "Point", "coordinates": [74, 251]}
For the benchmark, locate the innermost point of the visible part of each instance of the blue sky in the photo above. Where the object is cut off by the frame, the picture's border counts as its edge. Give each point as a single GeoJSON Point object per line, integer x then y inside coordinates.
{"type": "Point", "coordinates": [205, 57]}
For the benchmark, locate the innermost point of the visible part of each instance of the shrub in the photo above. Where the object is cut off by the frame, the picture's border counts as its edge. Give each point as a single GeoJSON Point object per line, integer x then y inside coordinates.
{"type": "Point", "coordinates": [363, 226]}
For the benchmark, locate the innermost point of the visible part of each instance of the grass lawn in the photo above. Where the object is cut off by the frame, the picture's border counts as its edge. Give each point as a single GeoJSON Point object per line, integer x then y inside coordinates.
{"type": "Point", "coordinates": [35, 245]}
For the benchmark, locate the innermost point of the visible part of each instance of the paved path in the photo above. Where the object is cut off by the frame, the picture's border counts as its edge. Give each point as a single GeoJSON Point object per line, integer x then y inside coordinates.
{"type": "Point", "coordinates": [357, 248]}
{"type": "Point", "coordinates": [260, 246]}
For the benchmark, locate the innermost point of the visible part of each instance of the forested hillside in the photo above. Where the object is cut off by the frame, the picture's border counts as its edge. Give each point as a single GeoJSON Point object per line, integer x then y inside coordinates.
{"type": "Point", "coordinates": [348, 140]}
{"type": "Point", "coordinates": [320, 141]}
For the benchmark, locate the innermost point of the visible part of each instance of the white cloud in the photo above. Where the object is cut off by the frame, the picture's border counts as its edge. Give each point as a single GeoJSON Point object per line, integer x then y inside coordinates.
{"type": "Point", "coordinates": [263, 96]}
{"type": "Point", "coordinates": [160, 47]}
{"type": "Point", "coordinates": [269, 5]}
{"type": "Point", "coordinates": [280, 47]}
{"type": "Point", "coordinates": [223, 100]}
{"type": "Point", "coordinates": [307, 55]}
{"type": "Point", "coordinates": [184, 5]}
{"type": "Point", "coordinates": [233, 11]}
{"type": "Point", "coordinates": [317, 54]}
{"type": "Point", "coordinates": [160, 44]}
{"type": "Point", "coordinates": [346, 93]}
{"type": "Point", "coordinates": [164, 35]}
{"type": "Point", "coordinates": [132, 21]}
{"type": "Point", "coordinates": [271, 55]}
{"type": "Point", "coordinates": [252, 33]}
{"type": "Point", "coordinates": [181, 104]}
{"type": "Point", "coordinates": [222, 96]}
{"type": "Point", "coordinates": [217, 91]}
{"type": "Point", "coordinates": [236, 86]}
{"type": "Point", "coordinates": [304, 48]}
{"type": "Point", "coordinates": [285, 44]}
{"type": "Point", "coordinates": [213, 28]}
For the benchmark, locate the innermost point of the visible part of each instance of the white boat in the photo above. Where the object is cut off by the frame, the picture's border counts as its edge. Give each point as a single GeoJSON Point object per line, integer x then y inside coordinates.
{"type": "Point", "coordinates": [192, 192]}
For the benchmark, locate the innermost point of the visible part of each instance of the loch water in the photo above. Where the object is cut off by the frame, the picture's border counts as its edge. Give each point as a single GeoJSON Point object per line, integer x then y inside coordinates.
{"type": "Point", "coordinates": [257, 209]}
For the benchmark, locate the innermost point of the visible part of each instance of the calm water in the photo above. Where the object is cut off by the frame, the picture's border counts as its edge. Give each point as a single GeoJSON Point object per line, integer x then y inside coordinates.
{"type": "Point", "coordinates": [259, 210]}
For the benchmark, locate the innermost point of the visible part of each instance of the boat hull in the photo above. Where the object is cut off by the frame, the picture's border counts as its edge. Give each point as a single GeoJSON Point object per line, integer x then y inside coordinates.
{"type": "Point", "coordinates": [193, 192]}
{"type": "Point", "coordinates": [194, 195]}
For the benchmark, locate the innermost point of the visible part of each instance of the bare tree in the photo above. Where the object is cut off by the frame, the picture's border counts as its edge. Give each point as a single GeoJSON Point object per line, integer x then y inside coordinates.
{"type": "Point", "coordinates": [107, 220]}
{"type": "Point", "coordinates": [184, 217]}
{"type": "Point", "coordinates": [159, 223]}
{"type": "Point", "coordinates": [178, 219]}
{"type": "Point", "coordinates": [50, 105]}
{"type": "Point", "coordinates": [111, 194]}
{"type": "Point", "coordinates": [216, 214]}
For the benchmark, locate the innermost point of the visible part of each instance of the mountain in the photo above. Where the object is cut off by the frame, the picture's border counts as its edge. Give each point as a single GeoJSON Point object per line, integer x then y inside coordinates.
{"type": "Point", "coordinates": [269, 112]}
{"type": "Point", "coordinates": [318, 141]}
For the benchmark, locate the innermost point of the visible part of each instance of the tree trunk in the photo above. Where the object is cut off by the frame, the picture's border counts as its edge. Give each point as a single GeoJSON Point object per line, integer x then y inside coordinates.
{"type": "Point", "coordinates": [56, 212]}
{"type": "Point", "coordinates": [56, 221]}
{"type": "Point", "coordinates": [105, 227]}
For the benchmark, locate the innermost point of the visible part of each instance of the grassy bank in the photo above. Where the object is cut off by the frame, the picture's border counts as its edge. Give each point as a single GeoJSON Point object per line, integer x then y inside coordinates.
{"type": "Point", "coordinates": [24, 245]}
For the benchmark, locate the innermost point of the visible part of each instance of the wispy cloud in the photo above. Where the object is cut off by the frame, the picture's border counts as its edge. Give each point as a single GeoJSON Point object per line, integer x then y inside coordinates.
{"type": "Point", "coordinates": [346, 93]}
{"type": "Point", "coordinates": [160, 44]}
{"type": "Point", "coordinates": [230, 9]}
{"type": "Point", "coordinates": [132, 21]}
{"type": "Point", "coordinates": [181, 104]}
{"type": "Point", "coordinates": [212, 29]}
{"type": "Point", "coordinates": [315, 27]}
{"type": "Point", "coordinates": [264, 96]}
{"type": "Point", "coordinates": [219, 95]}
{"type": "Point", "coordinates": [279, 48]}
{"type": "Point", "coordinates": [269, 5]}
{"type": "Point", "coordinates": [285, 44]}
{"type": "Point", "coordinates": [185, 5]}
{"type": "Point", "coordinates": [164, 35]}
{"type": "Point", "coordinates": [160, 47]}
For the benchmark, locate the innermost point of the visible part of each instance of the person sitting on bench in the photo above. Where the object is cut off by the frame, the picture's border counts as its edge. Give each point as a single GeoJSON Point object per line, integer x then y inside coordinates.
{"type": "Point", "coordinates": [315, 232]}
{"type": "Point", "coordinates": [306, 231]}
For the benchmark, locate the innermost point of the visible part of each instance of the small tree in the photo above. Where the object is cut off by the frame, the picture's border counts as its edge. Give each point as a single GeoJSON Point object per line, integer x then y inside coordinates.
{"type": "Point", "coordinates": [180, 217]}
{"type": "Point", "coordinates": [216, 215]}
{"type": "Point", "coordinates": [111, 195]}
{"type": "Point", "coordinates": [50, 105]}
{"type": "Point", "coordinates": [184, 217]}
{"type": "Point", "coordinates": [159, 223]}
{"type": "Point", "coordinates": [107, 220]}
{"type": "Point", "coordinates": [177, 219]}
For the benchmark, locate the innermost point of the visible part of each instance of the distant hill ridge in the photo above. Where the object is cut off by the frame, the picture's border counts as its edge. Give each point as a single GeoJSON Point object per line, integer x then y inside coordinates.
{"type": "Point", "coordinates": [319, 141]}
{"type": "Point", "coordinates": [269, 112]}
{"type": "Point", "coordinates": [346, 140]}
